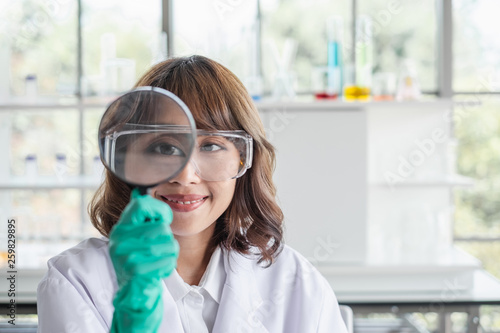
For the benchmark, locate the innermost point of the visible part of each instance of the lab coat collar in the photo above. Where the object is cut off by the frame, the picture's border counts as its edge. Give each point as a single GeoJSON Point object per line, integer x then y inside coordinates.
{"type": "Point", "coordinates": [176, 286]}
{"type": "Point", "coordinates": [241, 299]}
{"type": "Point", "coordinates": [239, 304]}
{"type": "Point", "coordinates": [171, 321]}
{"type": "Point", "coordinates": [212, 280]}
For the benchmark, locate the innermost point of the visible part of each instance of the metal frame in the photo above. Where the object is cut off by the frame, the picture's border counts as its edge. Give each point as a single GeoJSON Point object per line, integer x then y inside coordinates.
{"type": "Point", "coordinates": [354, 13]}
{"type": "Point", "coordinates": [79, 95]}
{"type": "Point", "coordinates": [444, 311]}
{"type": "Point", "coordinates": [167, 25]}
{"type": "Point", "coordinates": [445, 48]}
{"type": "Point", "coordinates": [477, 239]}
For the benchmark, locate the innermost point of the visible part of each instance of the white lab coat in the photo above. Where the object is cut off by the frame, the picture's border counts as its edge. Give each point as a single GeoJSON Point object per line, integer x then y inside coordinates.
{"type": "Point", "coordinates": [290, 296]}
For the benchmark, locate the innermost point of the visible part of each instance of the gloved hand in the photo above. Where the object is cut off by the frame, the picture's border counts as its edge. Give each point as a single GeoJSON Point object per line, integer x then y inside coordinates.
{"type": "Point", "coordinates": [143, 251]}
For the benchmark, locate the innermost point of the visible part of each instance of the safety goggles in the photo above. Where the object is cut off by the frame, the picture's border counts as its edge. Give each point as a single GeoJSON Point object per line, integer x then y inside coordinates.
{"type": "Point", "coordinates": [143, 153]}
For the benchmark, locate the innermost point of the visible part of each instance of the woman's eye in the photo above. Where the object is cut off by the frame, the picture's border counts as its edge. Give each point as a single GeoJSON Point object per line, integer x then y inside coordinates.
{"type": "Point", "coordinates": [211, 147]}
{"type": "Point", "coordinates": [166, 149]}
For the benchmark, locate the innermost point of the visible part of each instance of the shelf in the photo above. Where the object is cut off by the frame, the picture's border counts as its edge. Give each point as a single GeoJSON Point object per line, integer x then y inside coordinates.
{"type": "Point", "coordinates": [32, 107]}
{"type": "Point", "coordinates": [304, 104]}
{"type": "Point", "coordinates": [41, 102]}
{"type": "Point", "coordinates": [50, 107]}
{"type": "Point", "coordinates": [47, 183]}
{"type": "Point", "coordinates": [309, 106]}
{"type": "Point", "coordinates": [47, 103]}
{"type": "Point", "coordinates": [340, 105]}
{"type": "Point", "coordinates": [444, 181]}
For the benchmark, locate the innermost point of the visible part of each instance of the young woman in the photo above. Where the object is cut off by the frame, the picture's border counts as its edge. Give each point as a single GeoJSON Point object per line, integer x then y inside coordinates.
{"type": "Point", "coordinates": [233, 273]}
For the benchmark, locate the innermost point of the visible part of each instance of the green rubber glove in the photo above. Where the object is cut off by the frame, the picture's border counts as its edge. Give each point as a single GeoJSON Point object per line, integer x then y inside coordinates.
{"type": "Point", "coordinates": [143, 251]}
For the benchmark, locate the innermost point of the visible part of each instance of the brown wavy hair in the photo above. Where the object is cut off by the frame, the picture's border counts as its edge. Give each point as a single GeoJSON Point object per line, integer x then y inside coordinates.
{"type": "Point", "coordinates": [218, 101]}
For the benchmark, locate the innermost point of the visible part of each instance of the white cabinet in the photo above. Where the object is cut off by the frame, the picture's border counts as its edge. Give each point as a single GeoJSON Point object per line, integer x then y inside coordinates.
{"type": "Point", "coordinates": [411, 172]}
{"type": "Point", "coordinates": [366, 187]}
{"type": "Point", "coordinates": [321, 178]}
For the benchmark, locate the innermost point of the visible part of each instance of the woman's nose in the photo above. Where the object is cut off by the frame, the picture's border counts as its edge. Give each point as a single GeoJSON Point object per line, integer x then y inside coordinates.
{"type": "Point", "coordinates": [188, 175]}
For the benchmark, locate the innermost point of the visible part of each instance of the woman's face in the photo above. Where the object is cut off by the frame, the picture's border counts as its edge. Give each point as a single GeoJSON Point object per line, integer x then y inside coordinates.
{"type": "Point", "coordinates": [196, 203]}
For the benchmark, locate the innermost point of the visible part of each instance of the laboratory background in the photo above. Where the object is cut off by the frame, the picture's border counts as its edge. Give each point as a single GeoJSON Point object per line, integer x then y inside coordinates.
{"type": "Point", "coordinates": [385, 115]}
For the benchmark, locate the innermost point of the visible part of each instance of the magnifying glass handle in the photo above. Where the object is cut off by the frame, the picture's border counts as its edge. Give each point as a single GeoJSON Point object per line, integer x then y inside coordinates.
{"type": "Point", "coordinates": [143, 190]}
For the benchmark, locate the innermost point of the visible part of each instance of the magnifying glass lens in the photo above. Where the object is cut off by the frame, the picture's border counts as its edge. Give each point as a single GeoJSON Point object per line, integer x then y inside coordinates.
{"type": "Point", "coordinates": [146, 137]}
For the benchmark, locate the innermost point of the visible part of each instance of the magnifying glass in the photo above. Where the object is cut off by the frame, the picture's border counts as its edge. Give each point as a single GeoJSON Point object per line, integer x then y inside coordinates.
{"type": "Point", "coordinates": [146, 137]}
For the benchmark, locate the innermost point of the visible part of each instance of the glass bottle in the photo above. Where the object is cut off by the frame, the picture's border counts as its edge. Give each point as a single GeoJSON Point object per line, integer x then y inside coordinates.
{"type": "Point", "coordinates": [335, 33]}
{"type": "Point", "coordinates": [361, 87]}
{"type": "Point", "coordinates": [31, 88]}
{"type": "Point", "coordinates": [61, 166]}
{"type": "Point", "coordinates": [408, 85]}
{"type": "Point", "coordinates": [31, 166]}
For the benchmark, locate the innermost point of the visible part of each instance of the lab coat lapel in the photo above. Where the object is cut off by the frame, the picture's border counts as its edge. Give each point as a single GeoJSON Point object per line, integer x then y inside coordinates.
{"type": "Point", "coordinates": [171, 321]}
{"type": "Point", "coordinates": [241, 300]}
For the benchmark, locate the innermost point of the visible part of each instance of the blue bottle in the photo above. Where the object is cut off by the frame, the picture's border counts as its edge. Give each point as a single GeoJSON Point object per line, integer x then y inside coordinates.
{"type": "Point", "coordinates": [334, 27]}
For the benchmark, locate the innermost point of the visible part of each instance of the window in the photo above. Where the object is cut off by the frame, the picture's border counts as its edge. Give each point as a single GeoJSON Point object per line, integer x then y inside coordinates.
{"type": "Point", "coordinates": [477, 221]}
{"type": "Point", "coordinates": [476, 51]}
{"type": "Point", "coordinates": [33, 33]}
{"type": "Point", "coordinates": [304, 24]}
{"type": "Point", "coordinates": [476, 46]}
{"type": "Point", "coordinates": [121, 40]}
{"type": "Point", "coordinates": [56, 80]}
{"type": "Point", "coordinates": [224, 31]}
{"type": "Point", "coordinates": [404, 30]}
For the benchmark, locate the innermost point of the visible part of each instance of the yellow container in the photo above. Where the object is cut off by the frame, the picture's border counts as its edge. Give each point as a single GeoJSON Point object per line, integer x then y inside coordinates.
{"type": "Point", "coordinates": [356, 93]}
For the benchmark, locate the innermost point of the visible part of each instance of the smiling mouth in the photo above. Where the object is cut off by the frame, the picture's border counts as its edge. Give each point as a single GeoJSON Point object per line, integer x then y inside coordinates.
{"type": "Point", "coordinates": [184, 202]}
